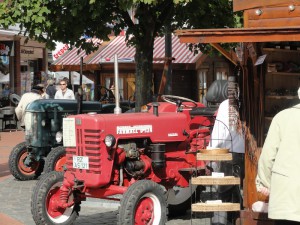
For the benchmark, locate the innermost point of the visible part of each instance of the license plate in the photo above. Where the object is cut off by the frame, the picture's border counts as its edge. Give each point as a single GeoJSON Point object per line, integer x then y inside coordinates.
{"type": "Point", "coordinates": [81, 162]}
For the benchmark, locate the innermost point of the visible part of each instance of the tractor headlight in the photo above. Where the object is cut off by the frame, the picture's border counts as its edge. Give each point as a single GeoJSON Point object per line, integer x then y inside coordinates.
{"type": "Point", "coordinates": [58, 136]}
{"type": "Point", "coordinates": [110, 140]}
{"type": "Point", "coordinates": [43, 122]}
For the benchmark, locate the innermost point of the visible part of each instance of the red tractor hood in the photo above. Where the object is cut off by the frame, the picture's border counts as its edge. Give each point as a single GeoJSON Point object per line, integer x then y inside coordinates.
{"type": "Point", "coordinates": [166, 127]}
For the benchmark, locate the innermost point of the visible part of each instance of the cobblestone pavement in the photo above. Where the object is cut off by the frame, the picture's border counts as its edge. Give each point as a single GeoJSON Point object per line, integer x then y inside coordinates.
{"type": "Point", "coordinates": [15, 197]}
{"type": "Point", "coordinates": [15, 202]}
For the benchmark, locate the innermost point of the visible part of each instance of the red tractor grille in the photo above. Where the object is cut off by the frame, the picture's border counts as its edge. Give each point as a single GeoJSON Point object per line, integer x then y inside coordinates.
{"type": "Point", "coordinates": [87, 144]}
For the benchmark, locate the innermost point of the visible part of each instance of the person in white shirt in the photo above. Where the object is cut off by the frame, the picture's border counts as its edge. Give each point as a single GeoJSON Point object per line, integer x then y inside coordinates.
{"type": "Point", "coordinates": [226, 135]}
{"type": "Point", "coordinates": [64, 92]}
{"type": "Point", "coordinates": [36, 93]}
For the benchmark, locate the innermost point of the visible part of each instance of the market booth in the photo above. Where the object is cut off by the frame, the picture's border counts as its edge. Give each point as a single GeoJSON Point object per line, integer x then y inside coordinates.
{"type": "Point", "coordinates": [268, 53]}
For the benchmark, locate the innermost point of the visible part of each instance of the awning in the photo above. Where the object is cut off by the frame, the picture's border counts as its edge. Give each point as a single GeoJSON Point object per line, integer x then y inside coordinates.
{"type": "Point", "coordinates": [73, 56]}
{"type": "Point", "coordinates": [118, 46]}
{"type": "Point", "coordinates": [236, 35]}
{"type": "Point", "coordinates": [71, 61]}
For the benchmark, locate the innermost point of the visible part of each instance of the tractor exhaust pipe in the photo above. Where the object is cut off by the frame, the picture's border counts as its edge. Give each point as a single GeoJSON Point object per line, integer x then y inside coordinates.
{"type": "Point", "coordinates": [117, 109]}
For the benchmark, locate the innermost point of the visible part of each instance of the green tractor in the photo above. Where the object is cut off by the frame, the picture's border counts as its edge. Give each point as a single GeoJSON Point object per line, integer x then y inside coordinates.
{"type": "Point", "coordinates": [42, 150]}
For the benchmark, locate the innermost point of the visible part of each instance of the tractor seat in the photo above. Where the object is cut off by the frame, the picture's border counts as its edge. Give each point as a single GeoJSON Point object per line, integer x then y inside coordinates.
{"type": "Point", "coordinates": [216, 94]}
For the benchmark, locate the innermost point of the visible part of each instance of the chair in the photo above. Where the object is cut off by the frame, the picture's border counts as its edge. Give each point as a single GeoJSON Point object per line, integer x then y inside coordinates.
{"type": "Point", "coordinates": [8, 119]}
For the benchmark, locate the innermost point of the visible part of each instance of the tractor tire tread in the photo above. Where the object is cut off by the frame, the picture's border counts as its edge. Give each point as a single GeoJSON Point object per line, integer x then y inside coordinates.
{"type": "Point", "coordinates": [52, 157]}
{"type": "Point", "coordinates": [13, 164]}
{"type": "Point", "coordinates": [38, 199]}
{"type": "Point", "coordinates": [135, 191]}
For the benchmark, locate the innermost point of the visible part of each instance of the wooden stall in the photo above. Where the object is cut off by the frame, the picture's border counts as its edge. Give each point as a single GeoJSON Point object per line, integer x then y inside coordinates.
{"type": "Point", "coordinates": [270, 46]}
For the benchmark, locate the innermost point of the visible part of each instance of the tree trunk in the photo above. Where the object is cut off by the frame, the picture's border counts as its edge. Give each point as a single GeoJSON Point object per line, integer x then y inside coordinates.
{"type": "Point", "coordinates": [144, 73]}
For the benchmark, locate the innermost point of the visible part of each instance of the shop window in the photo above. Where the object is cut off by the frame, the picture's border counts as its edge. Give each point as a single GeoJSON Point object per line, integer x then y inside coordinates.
{"type": "Point", "coordinates": [222, 73]}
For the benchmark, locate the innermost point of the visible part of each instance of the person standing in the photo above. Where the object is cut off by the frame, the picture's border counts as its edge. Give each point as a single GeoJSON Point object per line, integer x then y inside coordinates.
{"type": "Point", "coordinates": [50, 89]}
{"type": "Point", "coordinates": [36, 93]}
{"type": "Point", "coordinates": [226, 135]}
{"type": "Point", "coordinates": [64, 92]}
{"type": "Point", "coordinates": [278, 167]}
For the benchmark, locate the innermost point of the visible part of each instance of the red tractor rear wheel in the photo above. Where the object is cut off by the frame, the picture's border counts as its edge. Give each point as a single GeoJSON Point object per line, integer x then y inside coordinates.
{"type": "Point", "coordinates": [17, 165]}
{"type": "Point", "coordinates": [143, 203]}
{"type": "Point", "coordinates": [44, 202]}
{"type": "Point", "coordinates": [55, 160]}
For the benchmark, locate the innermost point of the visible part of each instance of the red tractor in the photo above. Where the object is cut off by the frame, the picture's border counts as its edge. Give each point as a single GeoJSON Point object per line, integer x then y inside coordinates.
{"type": "Point", "coordinates": [148, 158]}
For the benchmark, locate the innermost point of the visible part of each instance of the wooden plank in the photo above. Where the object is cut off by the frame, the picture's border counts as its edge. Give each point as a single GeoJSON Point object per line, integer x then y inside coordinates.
{"type": "Point", "coordinates": [243, 38]}
{"type": "Point", "coordinates": [209, 180]}
{"type": "Point", "coordinates": [231, 57]}
{"type": "Point", "coordinates": [222, 207]}
{"type": "Point", "coordinates": [273, 13]}
{"type": "Point", "coordinates": [232, 35]}
{"type": "Point", "coordinates": [280, 22]}
{"type": "Point", "coordinates": [214, 157]}
{"type": "Point", "coordinates": [239, 5]}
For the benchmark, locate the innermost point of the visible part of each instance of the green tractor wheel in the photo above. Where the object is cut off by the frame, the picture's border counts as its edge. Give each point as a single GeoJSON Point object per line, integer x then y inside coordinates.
{"type": "Point", "coordinates": [17, 165]}
{"type": "Point", "coordinates": [55, 160]}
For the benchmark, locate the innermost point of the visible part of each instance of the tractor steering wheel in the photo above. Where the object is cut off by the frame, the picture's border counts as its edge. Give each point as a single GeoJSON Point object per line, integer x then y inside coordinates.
{"type": "Point", "coordinates": [178, 100]}
{"type": "Point", "coordinates": [106, 94]}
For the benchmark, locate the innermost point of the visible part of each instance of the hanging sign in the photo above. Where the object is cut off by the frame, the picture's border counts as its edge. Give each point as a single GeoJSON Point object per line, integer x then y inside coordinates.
{"type": "Point", "coordinates": [260, 60]}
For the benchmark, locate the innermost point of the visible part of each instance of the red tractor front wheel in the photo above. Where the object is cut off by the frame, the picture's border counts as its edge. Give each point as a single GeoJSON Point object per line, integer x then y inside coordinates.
{"type": "Point", "coordinates": [55, 160]}
{"type": "Point", "coordinates": [17, 165]}
{"type": "Point", "coordinates": [44, 202]}
{"type": "Point", "coordinates": [143, 203]}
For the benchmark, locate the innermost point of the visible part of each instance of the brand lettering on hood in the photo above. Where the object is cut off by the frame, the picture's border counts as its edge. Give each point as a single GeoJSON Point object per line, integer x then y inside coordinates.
{"type": "Point", "coordinates": [136, 129]}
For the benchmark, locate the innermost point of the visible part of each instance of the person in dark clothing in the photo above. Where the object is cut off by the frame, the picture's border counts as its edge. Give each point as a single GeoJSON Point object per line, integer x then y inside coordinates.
{"type": "Point", "coordinates": [50, 89]}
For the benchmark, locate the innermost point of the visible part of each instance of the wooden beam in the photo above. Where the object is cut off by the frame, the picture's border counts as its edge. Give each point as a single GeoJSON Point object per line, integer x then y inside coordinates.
{"type": "Point", "coordinates": [122, 66]}
{"type": "Point", "coordinates": [237, 35]}
{"type": "Point", "coordinates": [231, 57]}
{"type": "Point", "coordinates": [239, 5]}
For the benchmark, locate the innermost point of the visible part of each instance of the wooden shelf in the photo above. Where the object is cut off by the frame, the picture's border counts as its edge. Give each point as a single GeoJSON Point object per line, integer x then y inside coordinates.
{"type": "Point", "coordinates": [209, 180]}
{"type": "Point", "coordinates": [214, 157]}
{"type": "Point", "coordinates": [289, 97]}
{"type": "Point", "coordinates": [280, 50]}
{"type": "Point", "coordinates": [284, 73]}
{"type": "Point", "coordinates": [220, 207]}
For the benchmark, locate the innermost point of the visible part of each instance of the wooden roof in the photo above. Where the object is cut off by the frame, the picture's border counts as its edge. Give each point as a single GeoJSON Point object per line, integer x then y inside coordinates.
{"type": "Point", "coordinates": [232, 35]}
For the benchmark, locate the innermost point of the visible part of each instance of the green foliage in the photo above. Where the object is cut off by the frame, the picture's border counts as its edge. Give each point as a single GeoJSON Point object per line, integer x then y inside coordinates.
{"type": "Point", "coordinates": [68, 20]}
{"type": "Point", "coordinates": [72, 21]}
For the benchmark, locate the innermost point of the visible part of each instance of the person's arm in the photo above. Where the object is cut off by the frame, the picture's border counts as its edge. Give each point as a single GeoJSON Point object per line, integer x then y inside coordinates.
{"type": "Point", "coordinates": [72, 96]}
{"type": "Point", "coordinates": [220, 132]}
{"type": "Point", "coordinates": [19, 109]}
{"type": "Point", "coordinates": [267, 158]}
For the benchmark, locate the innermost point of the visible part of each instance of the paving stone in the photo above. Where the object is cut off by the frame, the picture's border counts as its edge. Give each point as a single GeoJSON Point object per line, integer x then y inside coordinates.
{"type": "Point", "coordinates": [15, 202]}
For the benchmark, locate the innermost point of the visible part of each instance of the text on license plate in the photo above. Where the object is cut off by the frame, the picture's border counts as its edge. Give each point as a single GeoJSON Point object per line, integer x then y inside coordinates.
{"type": "Point", "coordinates": [81, 162]}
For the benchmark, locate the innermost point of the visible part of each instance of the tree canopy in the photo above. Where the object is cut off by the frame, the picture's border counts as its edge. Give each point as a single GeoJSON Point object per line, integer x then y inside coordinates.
{"type": "Point", "coordinates": [73, 21]}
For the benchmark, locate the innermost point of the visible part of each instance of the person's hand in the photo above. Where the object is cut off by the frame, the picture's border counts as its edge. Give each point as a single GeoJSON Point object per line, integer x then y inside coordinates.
{"type": "Point", "coordinates": [208, 170]}
{"type": "Point", "coordinates": [264, 190]}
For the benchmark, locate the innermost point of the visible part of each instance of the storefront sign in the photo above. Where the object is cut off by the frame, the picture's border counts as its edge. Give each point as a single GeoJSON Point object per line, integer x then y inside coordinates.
{"type": "Point", "coordinates": [27, 51]}
{"type": "Point", "coordinates": [31, 53]}
{"type": "Point", "coordinates": [6, 47]}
